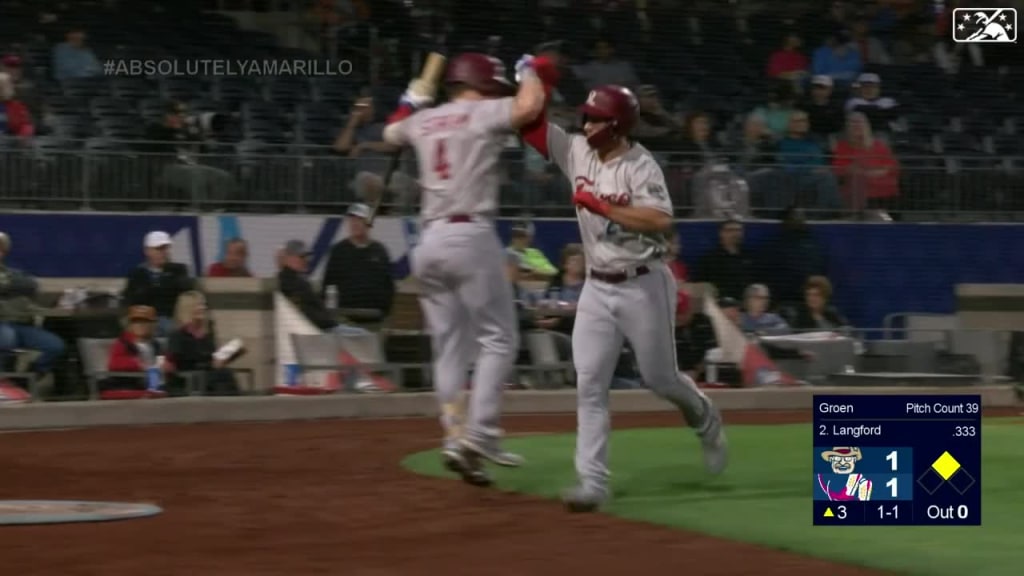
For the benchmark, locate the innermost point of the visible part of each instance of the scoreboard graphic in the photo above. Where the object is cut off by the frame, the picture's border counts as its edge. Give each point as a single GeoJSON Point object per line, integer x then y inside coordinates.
{"type": "Point", "coordinates": [897, 460]}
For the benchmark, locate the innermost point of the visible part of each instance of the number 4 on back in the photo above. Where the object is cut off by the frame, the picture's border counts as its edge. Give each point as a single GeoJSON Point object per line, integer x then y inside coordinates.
{"type": "Point", "coordinates": [441, 166]}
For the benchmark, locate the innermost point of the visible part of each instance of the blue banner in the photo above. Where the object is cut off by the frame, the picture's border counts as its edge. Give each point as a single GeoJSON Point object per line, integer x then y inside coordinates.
{"type": "Point", "coordinates": [875, 269]}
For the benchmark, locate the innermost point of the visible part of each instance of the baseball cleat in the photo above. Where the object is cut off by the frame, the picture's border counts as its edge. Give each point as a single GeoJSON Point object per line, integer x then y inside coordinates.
{"type": "Point", "coordinates": [583, 499]}
{"type": "Point", "coordinates": [713, 441]}
{"type": "Point", "coordinates": [494, 454]}
{"type": "Point", "coordinates": [468, 466]}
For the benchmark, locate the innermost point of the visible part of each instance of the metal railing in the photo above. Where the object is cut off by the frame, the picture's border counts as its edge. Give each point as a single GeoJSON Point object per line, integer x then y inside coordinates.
{"type": "Point", "coordinates": [104, 174]}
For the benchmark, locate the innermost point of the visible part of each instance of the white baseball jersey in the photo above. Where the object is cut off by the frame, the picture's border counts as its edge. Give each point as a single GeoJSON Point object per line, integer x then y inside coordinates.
{"type": "Point", "coordinates": [633, 179]}
{"type": "Point", "coordinates": [458, 145]}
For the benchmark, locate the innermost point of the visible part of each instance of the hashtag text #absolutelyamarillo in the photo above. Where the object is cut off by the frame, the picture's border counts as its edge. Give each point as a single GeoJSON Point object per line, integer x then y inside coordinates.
{"type": "Point", "coordinates": [223, 67]}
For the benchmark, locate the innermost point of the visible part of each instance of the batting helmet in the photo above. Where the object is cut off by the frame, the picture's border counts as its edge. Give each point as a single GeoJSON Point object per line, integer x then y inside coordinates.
{"type": "Point", "coordinates": [481, 72]}
{"type": "Point", "coordinates": [616, 105]}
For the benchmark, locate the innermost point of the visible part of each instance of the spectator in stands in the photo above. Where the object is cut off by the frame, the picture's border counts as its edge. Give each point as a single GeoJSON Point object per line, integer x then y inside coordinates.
{"type": "Point", "coordinates": [362, 140]}
{"type": "Point", "coordinates": [789, 62]}
{"type": "Point", "coordinates": [193, 344]}
{"type": "Point", "coordinates": [136, 350]}
{"type": "Point", "coordinates": [294, 285]}
{"type": "Point", "coordinates": [872, 50]}
{"type": "Point", "coordinates": [880, 110]}
{"type": "Point", "coordinates": [158, 282]}
{"type": "Point", "coordinates": [696, 148]}
{"type": "Point", "coordinates": [605, 68]}
{"type": "Point", "coordinates": [24, 88]}
{"type": "Point", "coordinates": [73, 59]}
{"type": "Point", "coordinates": [795, 255]}
{"type": "Point", "coordinates": [674, 258]}
{"type": "Point", "coordinates": [728, 267]}
{"type": "Point", "coordinates": [543, 181]}
{"type": "Point", "coordinates": [18, 292]}
{"type": "Point", "coordinates": [776, 112]}
{"type": "Point", "coordinates": [695, 336]}
{"type": "Point", "coordinates": [570, 87]}
{"type": "Point", "coordinates": [572, 274]}
{"type": "Point", "coordinates": [359, 268]}
{"type": "Point", "coordinates": [656, 129]}
{"type": "Point", "coordinates": [866, 167]}
{"type": "Point", "coordinates": [756, 319]}
{"type": "Point", "coordinates": [756, 148]}
{"type": "Point", "coordinates": [234, 263]}
{"type": "Point", "coordinates": [566, 287]}
{"type": "Point", "coordinates": [14, 116]}
{"type": "Point", "coordinates": [837, 58]}
{"type": "Point", "coordinates": [525, 306]}
{"type": "Point", "coordinates": [825, 112]}
{"type": "Point", "coordinates": [810, 182]}
{"type": "Point", "coordinates": [535, 265]}
{"type": "Point", "coordinates": [816, 312]}
{"type": "Point", "coordinates": [177, 144]}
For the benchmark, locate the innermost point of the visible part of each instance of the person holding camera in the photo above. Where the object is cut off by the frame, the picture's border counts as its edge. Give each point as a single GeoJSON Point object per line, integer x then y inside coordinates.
{"type": "Point", "coordinates": [178, 142]}
{"type": "Point", "coordinates": [362, 141]}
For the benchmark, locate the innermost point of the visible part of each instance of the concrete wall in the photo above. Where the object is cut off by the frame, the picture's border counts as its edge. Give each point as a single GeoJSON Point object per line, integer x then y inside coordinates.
{"type": "Point", "coordinates": [270, 408]}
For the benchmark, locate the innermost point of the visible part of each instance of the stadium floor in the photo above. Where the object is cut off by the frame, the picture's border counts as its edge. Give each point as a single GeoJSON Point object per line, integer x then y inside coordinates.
{"type": "Point", "coordinates": [330, 497]}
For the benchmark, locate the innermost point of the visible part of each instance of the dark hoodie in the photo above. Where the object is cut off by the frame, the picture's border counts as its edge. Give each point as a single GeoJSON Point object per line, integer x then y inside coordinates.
{"type": "Point", "coordinates": [795, 255]}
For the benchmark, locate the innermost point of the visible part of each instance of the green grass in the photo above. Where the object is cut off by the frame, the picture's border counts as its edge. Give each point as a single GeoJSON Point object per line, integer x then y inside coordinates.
{"type": "Point", "coordinates": [765, 497]}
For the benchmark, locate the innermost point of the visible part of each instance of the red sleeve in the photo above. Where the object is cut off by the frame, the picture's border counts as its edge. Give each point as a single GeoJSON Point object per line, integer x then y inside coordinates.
{"type": "Point", "coordinates": [216, 270]}
{"type": "Point", "coordinates": [404, 111]}
{"type": "Point", "coordinates": [841, 159]}
{"type": "Point", "coordinates": [122, 359]}
{"type": "Point", "coordinates": [18, 120]}
{"type": "Point", "coordinates": [535, 134]}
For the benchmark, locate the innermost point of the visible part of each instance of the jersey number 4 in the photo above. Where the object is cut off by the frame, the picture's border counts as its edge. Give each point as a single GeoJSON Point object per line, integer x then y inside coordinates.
{"type": "Point", "coordinates": [441, 166]}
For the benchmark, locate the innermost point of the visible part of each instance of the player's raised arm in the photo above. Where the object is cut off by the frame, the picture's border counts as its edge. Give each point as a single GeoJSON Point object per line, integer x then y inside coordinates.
{"type": "Point", "coordinates": [550, 140]}
{"type": "Point", "coordinates": [531, 97]}
{"type": "Point", "coordinates": [419, 95]}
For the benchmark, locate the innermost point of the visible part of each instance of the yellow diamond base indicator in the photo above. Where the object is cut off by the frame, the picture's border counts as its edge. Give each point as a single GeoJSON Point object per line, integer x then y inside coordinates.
{"type": "Point", "coordinates": [828, 513]}
{"type": "Point", "coordinates": [946, 465]}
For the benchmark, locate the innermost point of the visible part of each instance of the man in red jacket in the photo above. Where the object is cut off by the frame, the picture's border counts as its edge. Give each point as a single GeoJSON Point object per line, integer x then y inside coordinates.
{"type": "Point", "coordinates": [14, 117]}
{"type": "Point", "coordinates": [137, 349]}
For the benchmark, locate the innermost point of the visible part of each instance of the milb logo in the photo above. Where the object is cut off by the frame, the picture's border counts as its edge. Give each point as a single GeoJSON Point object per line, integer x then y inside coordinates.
{"type": "Point", "coordinates": [993, 25]}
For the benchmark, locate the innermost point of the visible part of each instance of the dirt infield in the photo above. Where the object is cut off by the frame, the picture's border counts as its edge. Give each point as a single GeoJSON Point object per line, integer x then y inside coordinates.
{"type": "Point", "coordinates": [329, 497]}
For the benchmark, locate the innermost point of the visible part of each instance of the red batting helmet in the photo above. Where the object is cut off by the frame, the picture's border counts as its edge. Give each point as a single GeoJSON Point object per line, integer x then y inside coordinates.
{"type": "Point", "coordinates": [481, 72]}
{"type": "Point", "coordinates": [614, 104]}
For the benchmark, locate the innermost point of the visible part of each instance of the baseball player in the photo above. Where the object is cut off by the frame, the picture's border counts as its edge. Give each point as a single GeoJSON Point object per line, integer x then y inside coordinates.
{"type": "Point", "coordinates": [459, 260]}
{"type": "Point", "coordinates": [624, 215]}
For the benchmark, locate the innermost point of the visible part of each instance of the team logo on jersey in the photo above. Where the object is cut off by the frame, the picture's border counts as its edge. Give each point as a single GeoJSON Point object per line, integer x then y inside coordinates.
{"type": "Point", "coordinates": [657, 191]}
{"type": "Point", "coordinates": [997, 25]}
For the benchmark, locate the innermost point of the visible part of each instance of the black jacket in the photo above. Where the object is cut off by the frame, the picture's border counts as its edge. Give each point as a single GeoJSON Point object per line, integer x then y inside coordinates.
{"type": "Point", "coordinates": [190, 353]}
{"type": "Point", "coordinates": [693, 342]}
{"type": "Point", "coordinates": [297, 288]}
{"type": "Point", "coordinates": [158, 289]}
{"type": "Point", "coordinates": [804, 320]}
{"type": "Point", "coordinates": [825, 119]}
{"type": "Point", "coordinates": [362, 276]}
{"type": "Point", "coordinates": [730, 273]}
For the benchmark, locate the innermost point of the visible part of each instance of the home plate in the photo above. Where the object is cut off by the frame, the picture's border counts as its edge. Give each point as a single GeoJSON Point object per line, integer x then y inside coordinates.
{"type": "Point", "coordinates": [14, 512]}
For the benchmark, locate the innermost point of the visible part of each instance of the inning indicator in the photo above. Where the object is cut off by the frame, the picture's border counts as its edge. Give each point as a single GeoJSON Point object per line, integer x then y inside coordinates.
{"type": "Point", "coordinates": [897, 460]}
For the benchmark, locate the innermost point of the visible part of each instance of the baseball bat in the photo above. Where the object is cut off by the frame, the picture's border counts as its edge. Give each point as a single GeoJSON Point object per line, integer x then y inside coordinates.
{"type": "Point", "coordinates": [431, 73]}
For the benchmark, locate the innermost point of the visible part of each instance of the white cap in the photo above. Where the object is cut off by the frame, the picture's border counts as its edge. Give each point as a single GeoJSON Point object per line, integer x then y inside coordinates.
{"type": "Point", "coordinates": [359, 210]}
{"type": "Point", "coordinates": [868, 78]}
{"type": "Point", "coordinates": [821, 80]}
{"type": "Point", "coordinates": [156, 239]}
